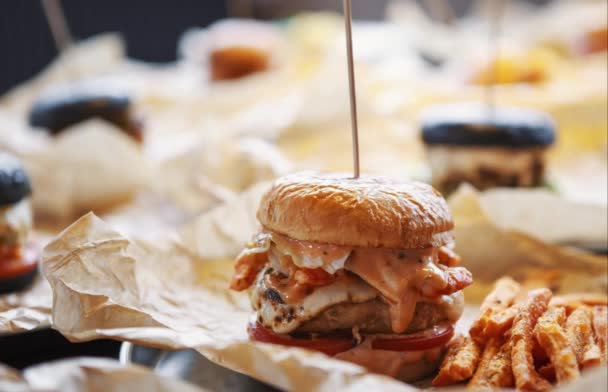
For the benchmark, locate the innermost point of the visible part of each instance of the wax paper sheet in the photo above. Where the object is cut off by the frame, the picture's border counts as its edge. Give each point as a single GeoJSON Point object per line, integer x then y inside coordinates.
{"type": "Point", "coordinates": [88, 375]}
{"type": "Point", "coordinates": [173, 293]}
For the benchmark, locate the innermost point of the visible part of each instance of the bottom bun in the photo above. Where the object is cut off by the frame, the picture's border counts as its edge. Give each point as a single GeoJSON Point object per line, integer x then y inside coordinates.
{"type": "Point", "coordinates": [407, 366]}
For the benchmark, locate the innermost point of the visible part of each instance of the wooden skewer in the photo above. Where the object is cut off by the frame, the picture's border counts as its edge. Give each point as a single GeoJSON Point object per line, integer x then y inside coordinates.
{"type": "Point", "coordinates": [441, 10]}
{"type": "Point", "coordinates": [352, 89]}
{"type": "Point", "coordinates": [496, 9]}
{"type": "Point", "coordinates": [57, 23]}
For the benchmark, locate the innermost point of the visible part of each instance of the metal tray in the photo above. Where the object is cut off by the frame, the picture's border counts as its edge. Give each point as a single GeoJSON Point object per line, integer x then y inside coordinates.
{"type": "Point", "coordinates": [190, 366]}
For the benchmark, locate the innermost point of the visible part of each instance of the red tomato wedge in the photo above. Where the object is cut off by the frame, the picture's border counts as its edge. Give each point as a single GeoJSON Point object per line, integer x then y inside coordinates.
{"type": "Point", "coordinates": [19, 263]}
{"type": "Point", "coordinates": [424, 340]}
{"type": "Point", "coordinates": [328, 345]}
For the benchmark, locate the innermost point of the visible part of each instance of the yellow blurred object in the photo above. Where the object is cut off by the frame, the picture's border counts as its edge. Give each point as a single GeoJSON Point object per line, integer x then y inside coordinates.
{"type": "Point", "coordinates": [532, 67]}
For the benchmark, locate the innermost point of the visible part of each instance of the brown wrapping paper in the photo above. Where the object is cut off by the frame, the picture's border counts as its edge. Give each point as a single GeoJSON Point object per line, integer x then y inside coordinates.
{"type": "Point", "coordinates": [88, 375]}
{"type": "Point", "coordinates": [173, 294]}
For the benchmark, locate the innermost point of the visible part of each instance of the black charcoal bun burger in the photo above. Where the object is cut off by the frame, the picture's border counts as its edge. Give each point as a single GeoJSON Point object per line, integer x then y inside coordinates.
{"type": "Point", "coordinates": [18, 259]}
{"type": "Point", "coordinates": [69, 105]}
{"type": "Point", "coordinates": [359, 269]}
{"type": "Point", "coordinates": [486, 147]}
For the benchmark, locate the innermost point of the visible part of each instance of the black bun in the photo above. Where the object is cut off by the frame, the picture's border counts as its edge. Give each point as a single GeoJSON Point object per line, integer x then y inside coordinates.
{"type": "Point", "coordinates": [14, 182]}
{"type": "Point", "coordinates": [475, 125]}
{"type": "Point", "coordinates": [17, 283]}
{"type": "Point", "coordinates": [56, 112]}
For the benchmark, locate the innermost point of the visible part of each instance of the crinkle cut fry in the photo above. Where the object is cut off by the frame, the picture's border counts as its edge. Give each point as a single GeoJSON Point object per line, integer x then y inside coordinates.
{"type": "Point", "coordinates": [522, 341]}
{"type": "Point", "coordinates": [459, 363]}
{"type": "Point", "coordinates": [504, 294]}
{"type": "Point", "coordinates": [600, 330]}
{"type": "Point", "coordinates": [553, 339]}
{"type": "Point", "coordinates": [579, 330]}
{"type": "Point", "coordinates": [495, 367]}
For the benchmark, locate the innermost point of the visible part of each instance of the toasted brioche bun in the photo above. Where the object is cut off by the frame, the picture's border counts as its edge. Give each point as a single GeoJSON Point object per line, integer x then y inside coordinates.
{"type": "Point", "coordinates": [364, 212]}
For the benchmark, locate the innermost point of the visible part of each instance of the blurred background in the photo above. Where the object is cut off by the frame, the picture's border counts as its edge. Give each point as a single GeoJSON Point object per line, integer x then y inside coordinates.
{"type": "Point", "coordinates": [151, 28]}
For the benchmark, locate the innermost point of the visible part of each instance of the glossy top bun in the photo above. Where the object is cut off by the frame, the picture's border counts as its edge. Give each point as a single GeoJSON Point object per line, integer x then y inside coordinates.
{"type": "Point", "coordinates": [364, 212]}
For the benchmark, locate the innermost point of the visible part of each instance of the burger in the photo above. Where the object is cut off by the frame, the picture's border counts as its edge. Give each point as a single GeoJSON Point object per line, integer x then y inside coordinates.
{"type": "Point", "coordinates": [18, 259]}
{"type": "Point", "coordinates": [486, 147]}
{"type": "Point", "coordinates": [359, 269]}
{"type": "Point", "coordinates": [68, 105]}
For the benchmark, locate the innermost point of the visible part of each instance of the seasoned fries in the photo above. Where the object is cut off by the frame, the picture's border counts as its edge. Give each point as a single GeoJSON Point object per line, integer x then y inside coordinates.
{"type": "Point", "coordinates": [521, 340]}
{"type": "Point", "coordinates": [459, 363]}
{"type": "Point", "coordinates": [600, 330]}
{"type": "Point", "coordinates": [529, 340]}
{"type": "Point", "coordinates": [503, 296]}
{"type": "Point", "coordinates": [580, 334]}
{"type": "Point", "coordinates": [495, 367]}
{"type": "Point", "coordinates": [553, 339]}
{"type": "Point", "coordinates": [575, 301]}
{"type": "Point", "coordinates": [499, 323]}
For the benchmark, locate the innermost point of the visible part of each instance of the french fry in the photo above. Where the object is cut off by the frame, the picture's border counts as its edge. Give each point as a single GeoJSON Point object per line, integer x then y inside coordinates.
{"type": "Point", "coordinates": [573, 301]}
{"type": "Point", "coordinates": [499, 323]}
{"type": "Point", "coordinates": [579, 330]}
{"type": "Point", "coordinates": [553, 339]}
{"type": "Point", "coordinates": [459, 363]}
{"type": "Point", "coordinates": [548, 372]}
{"type": "Point", "coordinates": [503, 295]}
{"type": "Point", "coordinates": [600, 330]}
{"type": "Point", "coordinates": [522, 339]}
{"type": "Point", "coordinates": [495, 366]}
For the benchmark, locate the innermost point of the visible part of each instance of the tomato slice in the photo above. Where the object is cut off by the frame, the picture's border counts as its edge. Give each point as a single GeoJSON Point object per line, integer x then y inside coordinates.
{"type": "Point", "coordinates": [424, 340]}
{"type": "Point", "coordinates": [327, 345]}
{"type": "Point", "coordinates": [19, 263]}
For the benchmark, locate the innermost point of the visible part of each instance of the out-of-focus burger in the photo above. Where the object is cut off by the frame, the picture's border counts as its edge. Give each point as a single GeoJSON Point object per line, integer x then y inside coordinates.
{"type": "Point", "coordinates": [18, 259]}
{"type": "Point", "coordinates": [68, 105]}
{"type": "Point", "coordinates": [486, 147]}
{"type": "Point", "coordinates": [360, 269]}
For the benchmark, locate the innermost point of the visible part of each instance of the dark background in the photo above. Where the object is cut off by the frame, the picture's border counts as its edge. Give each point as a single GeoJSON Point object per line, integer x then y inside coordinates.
{"type": "Point", "coordinates": [151, 27]}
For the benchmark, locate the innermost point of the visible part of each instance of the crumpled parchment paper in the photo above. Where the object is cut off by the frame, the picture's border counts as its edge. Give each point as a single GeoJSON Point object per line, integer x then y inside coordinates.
{"type": "Point", "coordinates": [173, 294]}
{"type": "Point", "coordinates": [88, 375]}
{"type": "Point", "coordinates": [513, 232]}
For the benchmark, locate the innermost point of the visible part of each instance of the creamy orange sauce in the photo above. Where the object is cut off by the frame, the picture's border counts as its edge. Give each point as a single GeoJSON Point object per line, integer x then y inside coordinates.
{"type": "Point", "coordinates": [402, 277]}
{"type": "Point", "coordinates": [399, 276]}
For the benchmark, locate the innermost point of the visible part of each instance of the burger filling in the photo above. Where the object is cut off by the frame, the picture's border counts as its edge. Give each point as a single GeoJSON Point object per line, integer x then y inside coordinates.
{"type": "Point", "coordinates": [15, 224]}
{"type": "Point", "coordinates": [300, 287]}
{"type": "Point", "coordinates": [486, 167]}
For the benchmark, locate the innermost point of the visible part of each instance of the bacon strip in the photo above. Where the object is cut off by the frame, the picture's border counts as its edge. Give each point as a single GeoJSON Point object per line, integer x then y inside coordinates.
{"type": "Point", "coordinates": [248, 265]}
{"type": "Point", "coordinates": [448, 257]}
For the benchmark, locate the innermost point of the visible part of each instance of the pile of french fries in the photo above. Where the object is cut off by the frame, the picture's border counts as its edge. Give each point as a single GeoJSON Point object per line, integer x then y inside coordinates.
{"type": "Point", "coordinates": [528, 339]}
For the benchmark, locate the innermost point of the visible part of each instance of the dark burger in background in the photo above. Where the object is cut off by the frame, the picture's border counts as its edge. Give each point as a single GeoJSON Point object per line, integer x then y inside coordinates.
{"type": "Point", "coordinates": [359, 269]}
{"type": "Point", "coordinates": [68, 105]}
{"type": "Point", "coordinates": [18, 258]}
{"type": "Point", "coordinates": [486, 147]}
